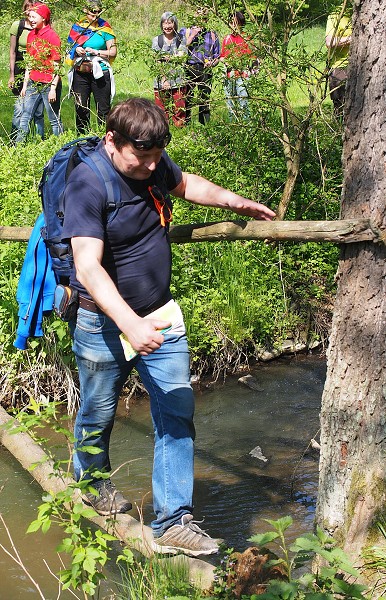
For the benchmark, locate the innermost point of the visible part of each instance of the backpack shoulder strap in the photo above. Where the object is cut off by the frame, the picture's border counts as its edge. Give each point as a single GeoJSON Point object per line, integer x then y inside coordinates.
{"type": "Point", "coordinates": [161, 41]}
{"type": "Point", "coordinates": [106, 173]}
{"type": "Point", "coordinates": [20, 29]}
{"type": "Point", "coordinates": [178, 40]}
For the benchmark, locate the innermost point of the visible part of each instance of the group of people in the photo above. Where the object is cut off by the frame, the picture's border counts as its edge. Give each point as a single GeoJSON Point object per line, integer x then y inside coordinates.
{"type": "Point", "coordinates": [122, 271]}
{"type": "Point", "coordinates": [36, 68]}
{"type": "Point", "coordinates": [184, 61]}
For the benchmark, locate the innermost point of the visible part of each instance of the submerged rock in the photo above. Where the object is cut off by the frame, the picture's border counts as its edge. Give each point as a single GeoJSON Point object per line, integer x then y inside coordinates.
{"type": "Point", "coordinates": [258, 453]}
{"type": "Point", "coordinates": [250, 382]}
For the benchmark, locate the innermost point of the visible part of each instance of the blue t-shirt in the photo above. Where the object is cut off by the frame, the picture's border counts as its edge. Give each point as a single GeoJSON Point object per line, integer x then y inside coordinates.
{"type": "Point", "coordinates": [137, 253]}
{"type": "Point", "coordinates": [98, 42]}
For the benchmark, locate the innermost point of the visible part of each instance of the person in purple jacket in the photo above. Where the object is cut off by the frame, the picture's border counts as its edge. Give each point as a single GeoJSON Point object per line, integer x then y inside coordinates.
{"type": "Point", "coordinates": [122, 273]}
{"type": "Point", "coordinates": [203, 54]}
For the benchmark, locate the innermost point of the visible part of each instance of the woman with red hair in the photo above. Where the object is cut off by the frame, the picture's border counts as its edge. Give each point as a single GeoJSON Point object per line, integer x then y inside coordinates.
{"type": "Point", "coordinates": [17, 48]}
{"type": "Point", "coordinates": [41, 80]}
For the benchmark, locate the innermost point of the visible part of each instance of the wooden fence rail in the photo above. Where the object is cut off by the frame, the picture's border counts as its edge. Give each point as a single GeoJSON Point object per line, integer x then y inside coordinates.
{"type": "Point", "coordinates": [345, 231]}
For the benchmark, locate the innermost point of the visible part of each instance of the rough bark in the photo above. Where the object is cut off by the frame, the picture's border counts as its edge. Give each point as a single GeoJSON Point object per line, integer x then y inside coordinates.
{"type": "Point", "coordinates": [352, 487]}
{"type": "Point", "coordinates": [346, 231]}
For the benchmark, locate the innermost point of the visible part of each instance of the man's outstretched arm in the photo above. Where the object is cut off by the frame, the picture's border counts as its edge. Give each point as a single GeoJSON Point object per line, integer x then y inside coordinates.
{"type": "Point", "coordinates": [198, 190]}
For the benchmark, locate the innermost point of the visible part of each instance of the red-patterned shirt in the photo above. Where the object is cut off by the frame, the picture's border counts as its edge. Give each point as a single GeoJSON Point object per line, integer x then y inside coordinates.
{"type": "Point", "coordinates": [43, 45]}
{"type": "Point", "coordinates": [235, 47]}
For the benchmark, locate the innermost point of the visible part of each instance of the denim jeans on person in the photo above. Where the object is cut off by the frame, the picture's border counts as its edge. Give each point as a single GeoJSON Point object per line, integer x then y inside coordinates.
{"type": "Point", "coordinates": [18, 111]}
{"type": "Point", "coordinates": [103, 370]}
{"type": "Point", "coordinates": [35, 93]}
{"type": "Point", "coordinates": [237, 98]}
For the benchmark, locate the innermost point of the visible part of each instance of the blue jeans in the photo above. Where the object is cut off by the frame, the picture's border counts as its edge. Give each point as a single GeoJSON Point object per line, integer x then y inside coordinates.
{"type": "Point", "coordinates": [35, 94]}
{"type": "Point", "coordinates": [237, 98]}
{"type": "Point", "coordinates": [103, 370]}
{"type": "Point", "coordinates": [18, 111]}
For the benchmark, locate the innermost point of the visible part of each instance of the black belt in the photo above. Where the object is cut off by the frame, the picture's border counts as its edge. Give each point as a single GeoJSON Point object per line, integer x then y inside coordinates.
{"type": "Point", "coordinates": [92, 307]}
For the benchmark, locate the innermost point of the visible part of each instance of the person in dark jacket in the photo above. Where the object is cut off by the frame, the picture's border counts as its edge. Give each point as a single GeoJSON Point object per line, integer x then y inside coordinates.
{"type": "Point", "coordinates": [203, 54]}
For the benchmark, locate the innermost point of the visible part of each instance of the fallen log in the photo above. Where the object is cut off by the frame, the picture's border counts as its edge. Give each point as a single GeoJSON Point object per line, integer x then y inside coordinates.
{"type": "Point", "coordinates": [128, 530]}
{"type": "Point", "coordinates": [346, 231]}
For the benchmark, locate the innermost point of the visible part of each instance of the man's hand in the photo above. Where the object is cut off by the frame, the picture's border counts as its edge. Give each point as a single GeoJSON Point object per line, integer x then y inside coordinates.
{"type": "Point", "coordinates": [198, 190]}
{"type": "Point", "coordinates": [145, 334]}
{"type": "Point", "coordinates": [248, 208]}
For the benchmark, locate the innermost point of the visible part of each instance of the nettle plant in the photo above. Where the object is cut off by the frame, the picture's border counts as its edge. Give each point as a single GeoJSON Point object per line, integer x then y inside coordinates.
{"type": "Point", "coordinates": [328, 582]}
{"type": "Point", "coordinates": [87, 547]}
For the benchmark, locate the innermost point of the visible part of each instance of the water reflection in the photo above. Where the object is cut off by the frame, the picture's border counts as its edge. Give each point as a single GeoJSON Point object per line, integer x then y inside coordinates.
{"type": "Point", "coordinates": [234, 491]}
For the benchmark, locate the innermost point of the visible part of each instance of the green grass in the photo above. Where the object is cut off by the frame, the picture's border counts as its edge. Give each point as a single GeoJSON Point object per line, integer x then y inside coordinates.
{"type": "Point", "coordinates": [131, 67]}
{"type": "Point", "coordinates": [238, 296]}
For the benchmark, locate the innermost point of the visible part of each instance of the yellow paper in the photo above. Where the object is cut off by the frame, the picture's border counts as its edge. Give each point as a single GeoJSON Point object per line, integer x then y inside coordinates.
{"type": "Point", "coordinates": [170, 312]}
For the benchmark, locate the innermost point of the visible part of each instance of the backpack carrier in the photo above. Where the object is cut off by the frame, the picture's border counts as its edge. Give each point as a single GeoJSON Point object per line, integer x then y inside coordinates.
{"type": "Point", "coordinates": [44, 279]}
{"type": "Point", "coordinates": [51, 190]}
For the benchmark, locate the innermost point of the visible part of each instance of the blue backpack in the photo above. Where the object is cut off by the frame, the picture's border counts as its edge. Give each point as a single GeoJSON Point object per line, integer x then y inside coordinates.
{"type": "Point", "coordinates": [51, 191]}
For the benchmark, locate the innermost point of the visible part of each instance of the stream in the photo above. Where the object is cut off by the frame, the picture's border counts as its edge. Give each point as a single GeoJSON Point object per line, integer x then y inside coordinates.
{"type": "Point", "coordinates": [253, 462]}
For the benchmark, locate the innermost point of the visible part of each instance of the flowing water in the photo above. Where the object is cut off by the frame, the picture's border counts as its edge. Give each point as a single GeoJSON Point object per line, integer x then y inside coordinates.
{"type": "Point", "coordinates": [234, 489]}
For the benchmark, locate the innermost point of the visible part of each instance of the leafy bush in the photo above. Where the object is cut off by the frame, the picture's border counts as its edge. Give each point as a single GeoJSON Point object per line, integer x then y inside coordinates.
{"type": "Point", "coordinates": [334, 577]}
{"type": "Point", "coordinates": [237, 297]}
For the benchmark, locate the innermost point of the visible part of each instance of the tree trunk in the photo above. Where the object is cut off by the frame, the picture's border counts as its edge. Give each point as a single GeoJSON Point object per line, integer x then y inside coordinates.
{"type": "Point", "coordinates": [352, 487]}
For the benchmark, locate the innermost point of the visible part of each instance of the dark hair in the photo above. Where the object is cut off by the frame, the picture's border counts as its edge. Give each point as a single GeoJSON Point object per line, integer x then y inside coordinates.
{"type": "Point", "coordinates": [27, 3]}
{"type": "Point", "coordinates": [138, 118]}
{"type": "Point", "coordinates": [239, 16]}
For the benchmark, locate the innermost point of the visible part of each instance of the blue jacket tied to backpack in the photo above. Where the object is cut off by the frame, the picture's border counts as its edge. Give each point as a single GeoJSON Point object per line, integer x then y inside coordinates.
{"type": "Point", "coordinates": [48, 259]}
{"type": "Point", "coordinates": [35, 291]}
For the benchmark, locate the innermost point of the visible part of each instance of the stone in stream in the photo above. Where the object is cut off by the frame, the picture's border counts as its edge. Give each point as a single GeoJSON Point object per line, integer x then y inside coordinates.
{"type": "Point", "coordinates": [250, 382]}
{"type": "Point", "coordinates": [258, 453]}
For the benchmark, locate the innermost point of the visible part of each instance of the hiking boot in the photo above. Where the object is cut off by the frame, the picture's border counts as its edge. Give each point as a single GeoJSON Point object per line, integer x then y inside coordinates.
{"type": "Point", "coordinates": [109, 501]}
{"type": "Point", "coordinates": [187, 538]}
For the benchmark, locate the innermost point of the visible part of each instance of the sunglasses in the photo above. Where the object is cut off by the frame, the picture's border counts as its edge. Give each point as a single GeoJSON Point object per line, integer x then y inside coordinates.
{"type": "Point", "coordinates": [163, 209]}
{"type": "Point", "coordinates": [95, 13]}
{"type": "Point", "coordinates": [147, 144]}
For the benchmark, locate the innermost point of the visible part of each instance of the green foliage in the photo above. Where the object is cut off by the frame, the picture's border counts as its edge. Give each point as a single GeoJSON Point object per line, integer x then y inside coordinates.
{"type": "Point", "coordinates": [327, 582]}
{"type": "Point", "coordinates": [239, 297]}
{"type": "Point", "coordinates": [154, 578]}
{"type": "Point", "coordinates": [335, 578]}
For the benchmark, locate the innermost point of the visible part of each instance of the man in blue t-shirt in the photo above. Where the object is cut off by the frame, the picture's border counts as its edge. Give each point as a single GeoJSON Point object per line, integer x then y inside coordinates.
{"type": "Point", "coordinates": [122, 272]}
